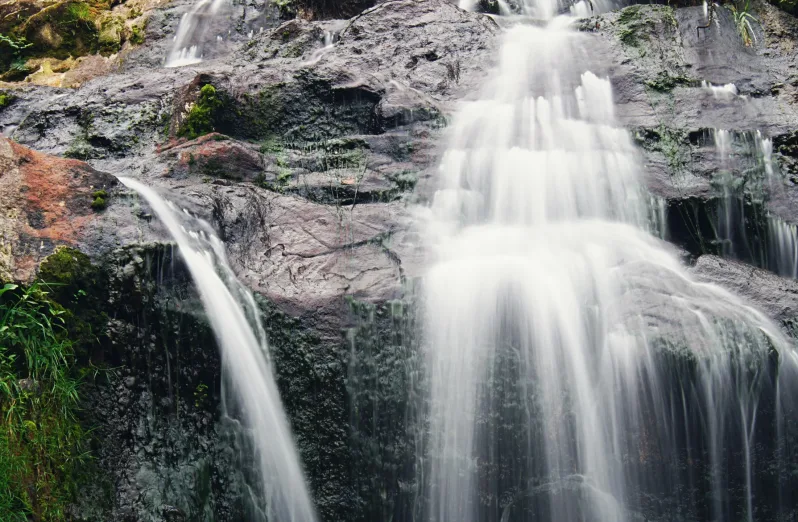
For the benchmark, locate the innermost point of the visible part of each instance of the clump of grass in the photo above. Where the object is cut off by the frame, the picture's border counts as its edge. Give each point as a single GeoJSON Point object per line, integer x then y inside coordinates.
{"type": "Point", "coordinates": [79, 12]}
{"type": "Point", "coordinates": [742, 19]}
{"type": "Point", "coordinates": [41, 441]}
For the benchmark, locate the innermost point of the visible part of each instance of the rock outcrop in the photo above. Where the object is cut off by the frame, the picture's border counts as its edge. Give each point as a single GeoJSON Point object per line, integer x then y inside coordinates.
{"type": "Point", "coordinates": [46, 202]}
{"type": "Point", "coordinates": [309, 161]}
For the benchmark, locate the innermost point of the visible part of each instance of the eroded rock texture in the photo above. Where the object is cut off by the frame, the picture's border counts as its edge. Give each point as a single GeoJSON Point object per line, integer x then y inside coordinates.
{"type": "Point", "coordinates": [310, 162]}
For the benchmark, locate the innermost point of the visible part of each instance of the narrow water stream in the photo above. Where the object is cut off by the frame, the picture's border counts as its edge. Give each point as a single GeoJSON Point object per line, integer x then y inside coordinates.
{"type": "Point", "coordinates": [236, 322]}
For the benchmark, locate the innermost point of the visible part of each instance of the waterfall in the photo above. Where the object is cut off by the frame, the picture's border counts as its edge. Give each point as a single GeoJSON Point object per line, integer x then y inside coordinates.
{"type": "Point", "coordinates": [575, 370]}
{"type": "Point", "coordinates": [191, 33]}
{"type": "Point", "coordinates": [232, 312]}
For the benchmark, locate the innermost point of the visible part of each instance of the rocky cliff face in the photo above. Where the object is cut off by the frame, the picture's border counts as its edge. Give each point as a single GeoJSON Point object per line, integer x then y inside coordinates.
{"type": "Point", "coordinates": [310, 162]}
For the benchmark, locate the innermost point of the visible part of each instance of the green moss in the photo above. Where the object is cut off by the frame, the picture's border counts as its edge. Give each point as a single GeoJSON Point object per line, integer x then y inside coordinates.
{"type": "Point", "coordinates": [672, 143]}
{"type": "Point", "coordinates": [634, 27]}
{"type": "Point", "coordinates": [200, 119]}
{"type": "Point", "coordinates": [99, 194]}
{"type": "Point", "coordinates": [630, 14]}
{"type": "Point", "coordinates": [66, 266]}
{"type": "Point", "coordinates": [99, 204]}
{"type": "Point", "coordinates": [628, 36]}
{"type": "Point", "coordinates": [79, 12]}
{"type": "Point", "coordinates": [664, 82]}
{"type": "Point", "coordinates": [5, 99]}
{"type": "Point", "coordinates": [110, 37]}
{"type": "Point", "coordinates": [78, 286]}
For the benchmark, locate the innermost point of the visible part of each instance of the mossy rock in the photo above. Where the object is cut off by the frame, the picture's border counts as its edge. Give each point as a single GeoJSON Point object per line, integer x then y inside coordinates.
{"type": "Point", "coordinates": [137, 34]}
{"type": "Point", "coordinates": [201, 118]}
{"type": "Point", "coordinates": [58, 30]}
{"type": "Point", "coordinates": [665, 82]}
{"type": "Point", "coordinates": [111, 34]}
{"type": "Point", "coordinates": [80, 287]}
{"type": "Point", "coordinates": [6, 99]}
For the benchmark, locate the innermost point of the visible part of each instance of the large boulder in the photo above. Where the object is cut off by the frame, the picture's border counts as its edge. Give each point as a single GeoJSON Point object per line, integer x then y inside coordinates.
{"type": "Point", "coordinates": [47, 202]}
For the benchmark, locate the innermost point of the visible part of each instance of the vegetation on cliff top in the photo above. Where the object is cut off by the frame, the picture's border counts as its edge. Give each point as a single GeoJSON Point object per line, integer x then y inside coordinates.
{"type": "Point", "coordinates": [62, 30]}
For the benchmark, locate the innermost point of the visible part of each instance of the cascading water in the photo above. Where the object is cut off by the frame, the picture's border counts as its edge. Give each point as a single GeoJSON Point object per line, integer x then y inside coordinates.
{"type": "Point", "coordinates": [745, 229]}
{"type": "Point", "coordinates": [191, 33]}
{"type": "Point", "coordinates": [575, 370]}
{"type": "Point", "coordinates": [232, 313]}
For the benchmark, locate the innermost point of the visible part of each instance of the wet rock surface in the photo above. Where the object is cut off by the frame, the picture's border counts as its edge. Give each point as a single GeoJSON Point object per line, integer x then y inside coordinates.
{"type": "Point", "coordinates": [776, 296]}
{"type": "Point", "coordinates": [309, 169]}
{"type": "Point", "coordinates": [317, 154]}
{"type": "Point", "coordinates": [658, 60]}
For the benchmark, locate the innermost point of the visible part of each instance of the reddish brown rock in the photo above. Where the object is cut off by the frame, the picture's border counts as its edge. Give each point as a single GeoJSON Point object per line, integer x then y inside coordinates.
{"type": "Point", "coordinates": [45, 201]}
{"type": "Point", "coordinates": [216, 156]}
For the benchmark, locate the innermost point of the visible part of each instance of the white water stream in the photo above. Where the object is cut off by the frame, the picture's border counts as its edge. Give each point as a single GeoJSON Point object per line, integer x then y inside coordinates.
{"type": "Point", "coordinates": [192, 33]}
{"type": "Point", "coordinates": [572, 361]}
{"type": "Point", "coordinates": [235, 320]}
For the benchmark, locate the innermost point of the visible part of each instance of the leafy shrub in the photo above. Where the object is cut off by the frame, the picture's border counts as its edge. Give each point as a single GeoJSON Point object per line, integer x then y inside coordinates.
{"type": "Point", "coordinates": [41, 441]}
{"type": "Point", "coordinates": [200, 118]}
{"type": "Point", "coordinates": [742, 19]}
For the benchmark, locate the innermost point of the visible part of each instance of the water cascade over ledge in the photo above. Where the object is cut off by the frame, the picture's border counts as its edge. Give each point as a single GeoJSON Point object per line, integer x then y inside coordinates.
{"type": "Point", "coordinates": [235, 320]}
{"type": "Point", "coordinates": [192, 33]}
{"type": "Point", "coordinates": [575, 369]}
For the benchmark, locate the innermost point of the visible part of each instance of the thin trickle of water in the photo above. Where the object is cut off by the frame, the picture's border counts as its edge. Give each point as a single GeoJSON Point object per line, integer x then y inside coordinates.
{"type": "Point", "coordinates": [765, 146]}
{"type": "Point", "coordinates": [191, 33]}
{"type": "Point", "coordinates": [575, 370]}
{"type": "Point", "coordinates": [236, 322]}
{"type": "Point", "coordinates": [658, 216]}
{"type": "Point", "coordinates": [783, 247]}
{"type": "Point", "coordinates": [745, 179]}
{"type": "Point", "coordinates": [332, 33]}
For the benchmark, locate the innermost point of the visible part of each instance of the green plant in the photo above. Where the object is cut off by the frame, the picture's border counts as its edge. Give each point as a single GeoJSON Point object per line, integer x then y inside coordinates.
{"type": "Point", "coordinates": [742, 19]}
{"type": "Point", "coordinates": [629, 14]}
{"type": "Point", "coordinates": [79, 12]}
{"type": "Point", "coordinates": [15, 59]}
{"type": "Point", "coordinates": [665, 82]}
{"type": "Point", "coordinates": [200, 118]}
{"type": "Point", "coordinates": [16, 45]}
{"type": "Point", "coordinates": [100, 199]}
{"type": "Point", "coordinates": [200, 395]}
{"type": "Point", "coordinates": [99, 203]}
{"type": "Point", "coordinates": [5, 99]}
{"type": "Point", "coordinates": [41, 441]}
{"type": "Point", "coordinates": [137, 35]}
